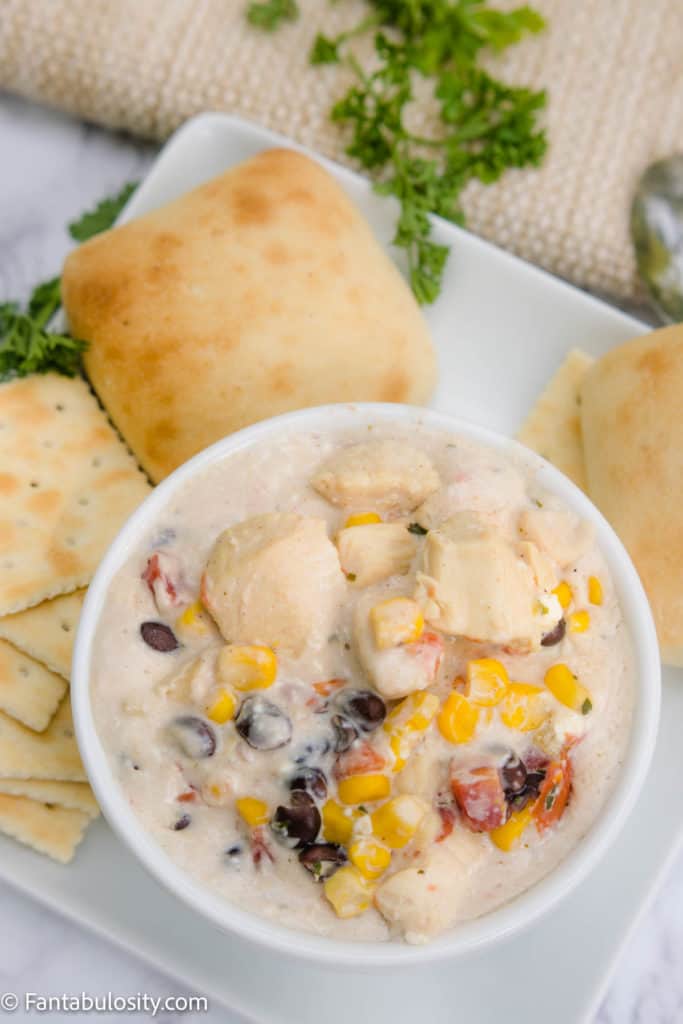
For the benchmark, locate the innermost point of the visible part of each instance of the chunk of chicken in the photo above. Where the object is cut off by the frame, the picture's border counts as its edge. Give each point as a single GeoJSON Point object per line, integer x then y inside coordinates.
{"type": "Point", "coordinates": [274, 580]}
{"type": "Point", "coordinates": [375, 551]}
{"type": "Point", "coordinates": [475, 584]}
{"type": "Point", "coordinates": [556, 531]}
{"type": "Point", "coordinates": [490, 489]}
{"type": "Point", "coordinates": [193, 680]}
{"type": "Point", "coordinates": [424, 900]}
{"type": "Point", "coordinates": [386, 476]}
{"type": "Point", "coordinates": [395, 671]}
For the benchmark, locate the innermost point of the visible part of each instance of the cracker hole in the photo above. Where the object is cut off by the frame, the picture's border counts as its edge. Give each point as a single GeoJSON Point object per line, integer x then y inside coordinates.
{"type": "Point", "coordinates": [59, 407]}
{"type": "Point", "coordinates": [66, 626]}
{"type": "Point", "coordinates": [7, 563]}
{"type": "Point", "coordinates": [48, 444]}
{"type": "Point", "coordinates": [96, 462]}
{"type": "Point", "coordinates": [23, 671]}
{"type": "Point", "coordinates": [71, 542]}
{"type": "Point", "coordinates": [34, 483]}
{"type": "Point", "coordinates": [84, 501]}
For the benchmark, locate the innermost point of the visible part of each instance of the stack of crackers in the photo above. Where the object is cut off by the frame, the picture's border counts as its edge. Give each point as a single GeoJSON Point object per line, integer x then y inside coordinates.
{"type": "Point", "coordinates": [67, 484]}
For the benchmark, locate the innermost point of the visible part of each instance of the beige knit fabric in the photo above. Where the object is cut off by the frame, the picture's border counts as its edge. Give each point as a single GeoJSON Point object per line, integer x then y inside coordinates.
{"type": "Point", "coordinates": [613, 69]}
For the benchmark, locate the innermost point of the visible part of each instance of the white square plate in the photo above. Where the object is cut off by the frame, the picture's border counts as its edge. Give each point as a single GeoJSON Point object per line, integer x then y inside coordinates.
{"type": "Point", "coordinates": [501, 328]}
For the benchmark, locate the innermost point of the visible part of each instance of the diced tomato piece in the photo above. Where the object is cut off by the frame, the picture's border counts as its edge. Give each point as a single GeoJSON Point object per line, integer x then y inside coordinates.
{"type": "Point", "coordinates": [555, 791]}
{"type": "Point", "coordinates": [429, 651]}
{"type": "Point", "coordinates": [480, 796]}
{"type": "Point", "coordinates": [359, 759]}
{"type": "Point", "coordinates": [188, 797]}
{"type": "Point", "coordinates": [162, 576]}
{"type": "Point", "coordinates": [259, 846]}
{"type": "Point", "coordinates": [328, 686]}
{"type": "Point", "coordinates": [447, 815]}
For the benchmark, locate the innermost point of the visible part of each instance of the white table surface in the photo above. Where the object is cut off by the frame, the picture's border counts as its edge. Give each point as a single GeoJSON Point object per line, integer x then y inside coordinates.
{"type": "Point", "coordinates": [52, 169]}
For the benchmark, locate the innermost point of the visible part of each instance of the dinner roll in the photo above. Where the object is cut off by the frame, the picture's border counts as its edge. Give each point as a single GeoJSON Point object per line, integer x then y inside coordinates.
{"type": "Point", "coordinates": [261, 291]}
{"type": "Point", "coordinates": [632, 422]}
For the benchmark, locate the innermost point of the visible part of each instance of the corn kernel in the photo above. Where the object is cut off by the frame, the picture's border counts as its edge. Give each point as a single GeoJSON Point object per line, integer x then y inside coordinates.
{"type": "Point", "coordinates": [563, 593]}
{"type": "Point", "coordinates": [566, 688]}
{"type": "Point", "coordinates": [487, 681]}
{"type": "Point", "coordinates": [458, 718]}
{"type": "Point", "coordinates": [222, 707]}
{"type": "Point", "coordinates": [254, 812]}
{"type": "Point", "coordinates": [509, 834]}
{"type": "Point", "coordinates": [360, 789]}
{"type": "Point", "coordinates": [579, 622]}
{"type": "Point", "coordinates": [594, 590]}
{"type": "Point", "coordinates": [406, 723]}
{"type": "Point", "coordinates": [371, 857]}
{"type": "Point", "coordinates": [362, 519]}
{"type": "Point", "coordinates": [397, 821]}
{"type": "Point", "coordinates": [523, 707]}
{"type": "Point", "coordinates": [338, 822]}
{"type": "Point", "coordinates": [396, 621]}
{"type": "Point", "coordinates": [348, 892]}
{"type": "Point", "coordinates": [194, 620]}
{"type": "Point", "coordinates": [246, 667]}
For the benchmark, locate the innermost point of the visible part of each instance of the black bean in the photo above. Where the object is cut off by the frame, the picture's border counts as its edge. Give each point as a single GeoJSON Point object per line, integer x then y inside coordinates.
{"type": "Point", "coordinates": [344, 733]}
{"type": "Point", "coordinates": [262, 724]}
{"type": "Point", "coordinates": [556, 635]}
{"type": "Point", "coordinates": [181, 823]}
{"type": "Point", "coordinates": [534, 781]}
{"type": "Point", "coordinates": [322, 859]}
{"type": "Point", "coordinates": [310, 780]}
{"type": "Point", "coordinates": [520, 800]}
{"type": "Point", "coordinates": [298, 825]}
{"type": "Point", "coordinates": [194, 736]}
{"type": "Point", "coordinates": [513, 775]}
{"type": "Point", "coordinates": [365, 708]}
{"type": "Point", "coordinates": [159, 636]}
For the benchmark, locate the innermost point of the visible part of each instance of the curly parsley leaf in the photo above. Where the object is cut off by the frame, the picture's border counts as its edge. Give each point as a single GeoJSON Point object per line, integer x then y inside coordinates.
{"type": "Point", "coordinates": [26, 348]}
{"type": "Point", "coordinates": [269, 14]}
{"type": "Point", "coordinates": [45, 300]}
{"type": "Point", "coordinates": [485, 126]}
{"type": "Point", "coordinates": [103, 216]}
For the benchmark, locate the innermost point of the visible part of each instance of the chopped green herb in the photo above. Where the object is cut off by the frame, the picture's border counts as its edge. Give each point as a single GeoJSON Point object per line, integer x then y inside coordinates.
{"type": "Point", "coordinates": [587, 706]}
{"type": "Point", "coordinates": [269, 14]}
{"type": "Point", "coordinates": [93, 222]}
{"type": "Point", "coordinates": [351, 576]}
{"type": "Point", "coordinates": [25, 347]}
{"type": "Point", "coordinates": [551, 798]}
{"type": "Point", "coordinates": [362, 809]}
{"type": "Point", "coordinates": [418, 530]}
{"type": "Point", "coordinates": [486, 126]}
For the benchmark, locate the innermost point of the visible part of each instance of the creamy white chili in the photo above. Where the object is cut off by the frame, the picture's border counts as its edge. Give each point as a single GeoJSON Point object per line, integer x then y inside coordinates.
{"type": "Point", "coordinates": [370, 684]}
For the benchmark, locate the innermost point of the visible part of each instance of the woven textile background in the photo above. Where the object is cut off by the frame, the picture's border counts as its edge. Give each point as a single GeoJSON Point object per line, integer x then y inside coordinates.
{"type": "Point", "coordinates": [613, 70]}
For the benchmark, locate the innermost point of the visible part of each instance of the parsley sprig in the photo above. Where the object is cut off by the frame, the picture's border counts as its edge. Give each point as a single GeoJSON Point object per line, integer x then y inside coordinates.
{"type": "Point", "coordinates": [26, 346]}
{"type": "Point", "coordinates": [103, 216]}
{"type": "Point", "coordinates": [485, 125]}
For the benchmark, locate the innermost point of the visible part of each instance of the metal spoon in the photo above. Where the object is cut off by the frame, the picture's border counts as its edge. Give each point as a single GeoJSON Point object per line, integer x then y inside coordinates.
{"type": "Point", "coordinates": [657, 233]}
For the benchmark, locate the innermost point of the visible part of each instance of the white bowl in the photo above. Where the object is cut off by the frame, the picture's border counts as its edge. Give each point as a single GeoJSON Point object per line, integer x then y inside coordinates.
{"type": "Point", "coordinates": [516, 914]}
